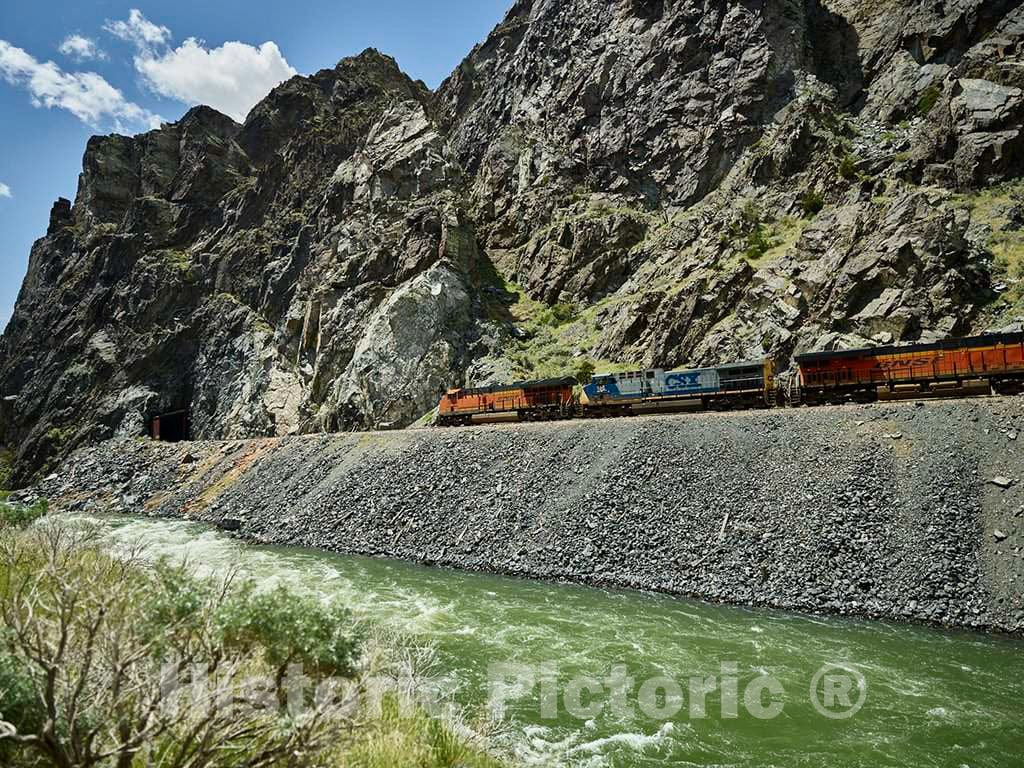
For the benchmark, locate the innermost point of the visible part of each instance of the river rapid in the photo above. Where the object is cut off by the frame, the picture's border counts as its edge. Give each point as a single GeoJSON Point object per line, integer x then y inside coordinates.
{"type": "Point", "coordinates": [589, 677]}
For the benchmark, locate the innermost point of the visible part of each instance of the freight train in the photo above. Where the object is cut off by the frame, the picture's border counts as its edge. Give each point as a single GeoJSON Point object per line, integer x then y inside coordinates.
{"type": "Point", "coordinates": [953, 368]}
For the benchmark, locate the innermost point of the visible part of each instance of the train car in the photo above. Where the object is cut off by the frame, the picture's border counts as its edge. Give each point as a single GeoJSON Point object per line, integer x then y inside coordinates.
{"type": "Point", "coordinates": [525, 401]}
{"type": "Point", "coordinates": [956, 367]}
{"type": "Point", "coordinates": [737, 385]}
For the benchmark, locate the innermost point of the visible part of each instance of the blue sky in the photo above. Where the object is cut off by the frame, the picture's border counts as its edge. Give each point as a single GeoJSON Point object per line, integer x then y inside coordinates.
{"type": "Point", "coordinates": [72, 69]}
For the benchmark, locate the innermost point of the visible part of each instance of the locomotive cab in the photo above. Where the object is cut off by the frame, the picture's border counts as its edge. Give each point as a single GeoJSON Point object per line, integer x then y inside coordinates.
{"type": "Point", "coordinates": [600, 388]}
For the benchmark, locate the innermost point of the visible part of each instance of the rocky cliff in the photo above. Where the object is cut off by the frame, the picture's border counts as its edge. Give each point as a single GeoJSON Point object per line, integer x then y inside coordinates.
{"type": "Point", "coordinates": [606, 182]}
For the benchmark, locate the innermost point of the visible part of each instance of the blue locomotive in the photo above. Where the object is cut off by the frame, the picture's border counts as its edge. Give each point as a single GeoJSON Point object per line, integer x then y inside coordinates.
{"type": "Point", "coordinates": [736, 385]}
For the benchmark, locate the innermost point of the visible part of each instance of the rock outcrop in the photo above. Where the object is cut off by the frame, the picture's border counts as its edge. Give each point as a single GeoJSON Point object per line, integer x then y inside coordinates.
{"type": "Point", "coordinates": [625, 182]}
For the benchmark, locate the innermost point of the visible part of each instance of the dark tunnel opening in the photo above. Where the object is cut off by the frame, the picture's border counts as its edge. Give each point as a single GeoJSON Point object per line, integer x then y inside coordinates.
{"type": "Point", "coordinates": [169, 427]}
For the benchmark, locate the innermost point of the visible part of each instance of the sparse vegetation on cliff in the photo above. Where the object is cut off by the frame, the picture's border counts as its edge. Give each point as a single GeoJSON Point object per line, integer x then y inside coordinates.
{"type": "Point", "coordinates": [6, 462]}
{"type": "Point", "coordinates": [1000, 210]}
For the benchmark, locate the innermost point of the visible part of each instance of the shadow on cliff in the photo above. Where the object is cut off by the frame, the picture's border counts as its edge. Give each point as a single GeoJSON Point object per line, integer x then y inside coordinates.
{"type": "Point", "coordinates": [493, 289]}
{"type": "Point", "coordinates": [834, 51]}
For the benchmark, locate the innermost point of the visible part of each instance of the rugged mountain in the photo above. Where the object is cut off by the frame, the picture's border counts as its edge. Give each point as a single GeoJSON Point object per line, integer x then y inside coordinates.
{"type": "Point", "coordinates": [607, 182]}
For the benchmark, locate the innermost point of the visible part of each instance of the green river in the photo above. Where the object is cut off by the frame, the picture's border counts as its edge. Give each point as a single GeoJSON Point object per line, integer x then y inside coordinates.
{"type": "Point", "coordinates": [929, 698]}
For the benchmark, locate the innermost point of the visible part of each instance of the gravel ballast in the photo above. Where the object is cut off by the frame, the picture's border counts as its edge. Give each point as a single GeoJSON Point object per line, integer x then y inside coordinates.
{"type": "Point", "coordinates": [908, 511]}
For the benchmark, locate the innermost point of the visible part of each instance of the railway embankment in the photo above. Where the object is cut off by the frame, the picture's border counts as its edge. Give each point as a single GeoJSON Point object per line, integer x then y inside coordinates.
{"type": "Point", "coordinates": [902, 511]}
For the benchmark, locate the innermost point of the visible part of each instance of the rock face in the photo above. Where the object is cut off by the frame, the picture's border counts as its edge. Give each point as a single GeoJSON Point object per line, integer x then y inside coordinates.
{"type": "Point", "coordinates": [695, 180]}
{"type": "Point", "coordinates": [305, 271]}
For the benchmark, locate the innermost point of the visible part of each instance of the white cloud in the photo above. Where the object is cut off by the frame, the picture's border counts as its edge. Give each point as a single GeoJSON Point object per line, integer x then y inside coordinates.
{"type": "Point", "coordinates": [138, 30]}
{"type": "Point", "coordinates": [232, 78]}
{"type": "Point", "coordinates": [81, 48]}
{"type": "Point", "coordinates": [86, 95]}
{"type": "Point", "coordinates": [5, 191]}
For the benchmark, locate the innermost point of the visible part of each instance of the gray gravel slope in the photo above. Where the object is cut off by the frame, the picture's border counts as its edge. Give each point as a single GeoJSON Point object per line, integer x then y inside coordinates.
{"type": "Point", "coordinates": [884, 511]}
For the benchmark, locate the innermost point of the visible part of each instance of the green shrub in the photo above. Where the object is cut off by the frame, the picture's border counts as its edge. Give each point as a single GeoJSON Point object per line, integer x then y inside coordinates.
{"type": "Point", "coordinates": [289, 629]}
{"type": "Point", "coordinates": [6, 468]}
{"type": "Point", "coordinates": [928, 100]}
{"type": "Point", "coordinates": [18, 704]}
{"type": "Point", "coordinates": [60, 436]}
{"type": "Point", "coordinates": [557, 315]}
{"type": "Point", "coordinates": [848, 168]}
{"type": "Point", "coordinates": [19, 515]}
{"type": "Point", "coordinates": [585, 371]}
{"type": "Point", "coordinates": [758, 243]}
{"type": "Point", "coordinates": [751, 213]}
{"type": "Point", "coordinates": [812, 203]}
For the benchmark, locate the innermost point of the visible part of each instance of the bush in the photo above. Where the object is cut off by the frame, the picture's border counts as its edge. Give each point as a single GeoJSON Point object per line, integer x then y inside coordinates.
{"type": "Point", "coordinates": [58, 437]}
{"type": "Point", "coordinates": [289, 629]}
{"type": "Point", "coordinates": [6, 468]}
{"type": "Point", "coordinates": [751, 213]}
{"type": "Point", "coordinates": [848, 168]}
{"type": "Point", "coordinates": [758, 243]}
{"type": "Point", "coordinates": [19, 515]}
{"type": "Point", "coordinates": [928, 100]}
{"type": "Point", "coordinates": [20, 707]}
{"type": "Point", "coordinates": [585, 371]}
{"type": "Point", "coordinates": [122, 624]}
{"type": "Point", "coordinates": [812, 203]}
{"type": "Point", "coordinates": [557, 315]}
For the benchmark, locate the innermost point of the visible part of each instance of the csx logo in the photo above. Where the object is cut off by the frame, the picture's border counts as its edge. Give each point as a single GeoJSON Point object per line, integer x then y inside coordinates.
{"type": "Point", "coordinates": [683, 381]}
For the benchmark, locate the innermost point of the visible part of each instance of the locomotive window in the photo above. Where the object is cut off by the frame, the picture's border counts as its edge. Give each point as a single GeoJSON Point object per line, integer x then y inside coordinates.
{"type": "Point", "coordinates": [650, 374]}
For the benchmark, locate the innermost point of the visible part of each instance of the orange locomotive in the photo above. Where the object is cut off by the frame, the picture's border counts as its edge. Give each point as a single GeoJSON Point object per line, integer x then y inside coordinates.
{"type": "Point", "coordinates": [528, 401]}
{"type": "Point", "coordinates": [954, 367]}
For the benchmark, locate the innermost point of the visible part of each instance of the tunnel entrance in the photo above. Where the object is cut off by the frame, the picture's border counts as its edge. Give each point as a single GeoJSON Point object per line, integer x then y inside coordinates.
{"type": "Point", "coordinates": [169, 427]}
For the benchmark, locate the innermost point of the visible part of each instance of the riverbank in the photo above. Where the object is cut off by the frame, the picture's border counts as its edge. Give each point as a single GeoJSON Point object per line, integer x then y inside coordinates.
{"type": "Point", "coordinates": [964, 701]}
{"type": "Point", "coordinates": [899, 511]}
{"type": "Point", "coordinates": [198, 670]}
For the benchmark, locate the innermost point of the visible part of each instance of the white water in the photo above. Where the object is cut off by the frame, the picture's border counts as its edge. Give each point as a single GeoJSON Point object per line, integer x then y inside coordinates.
{"type": "Point", "coordinates": [933, 698]}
